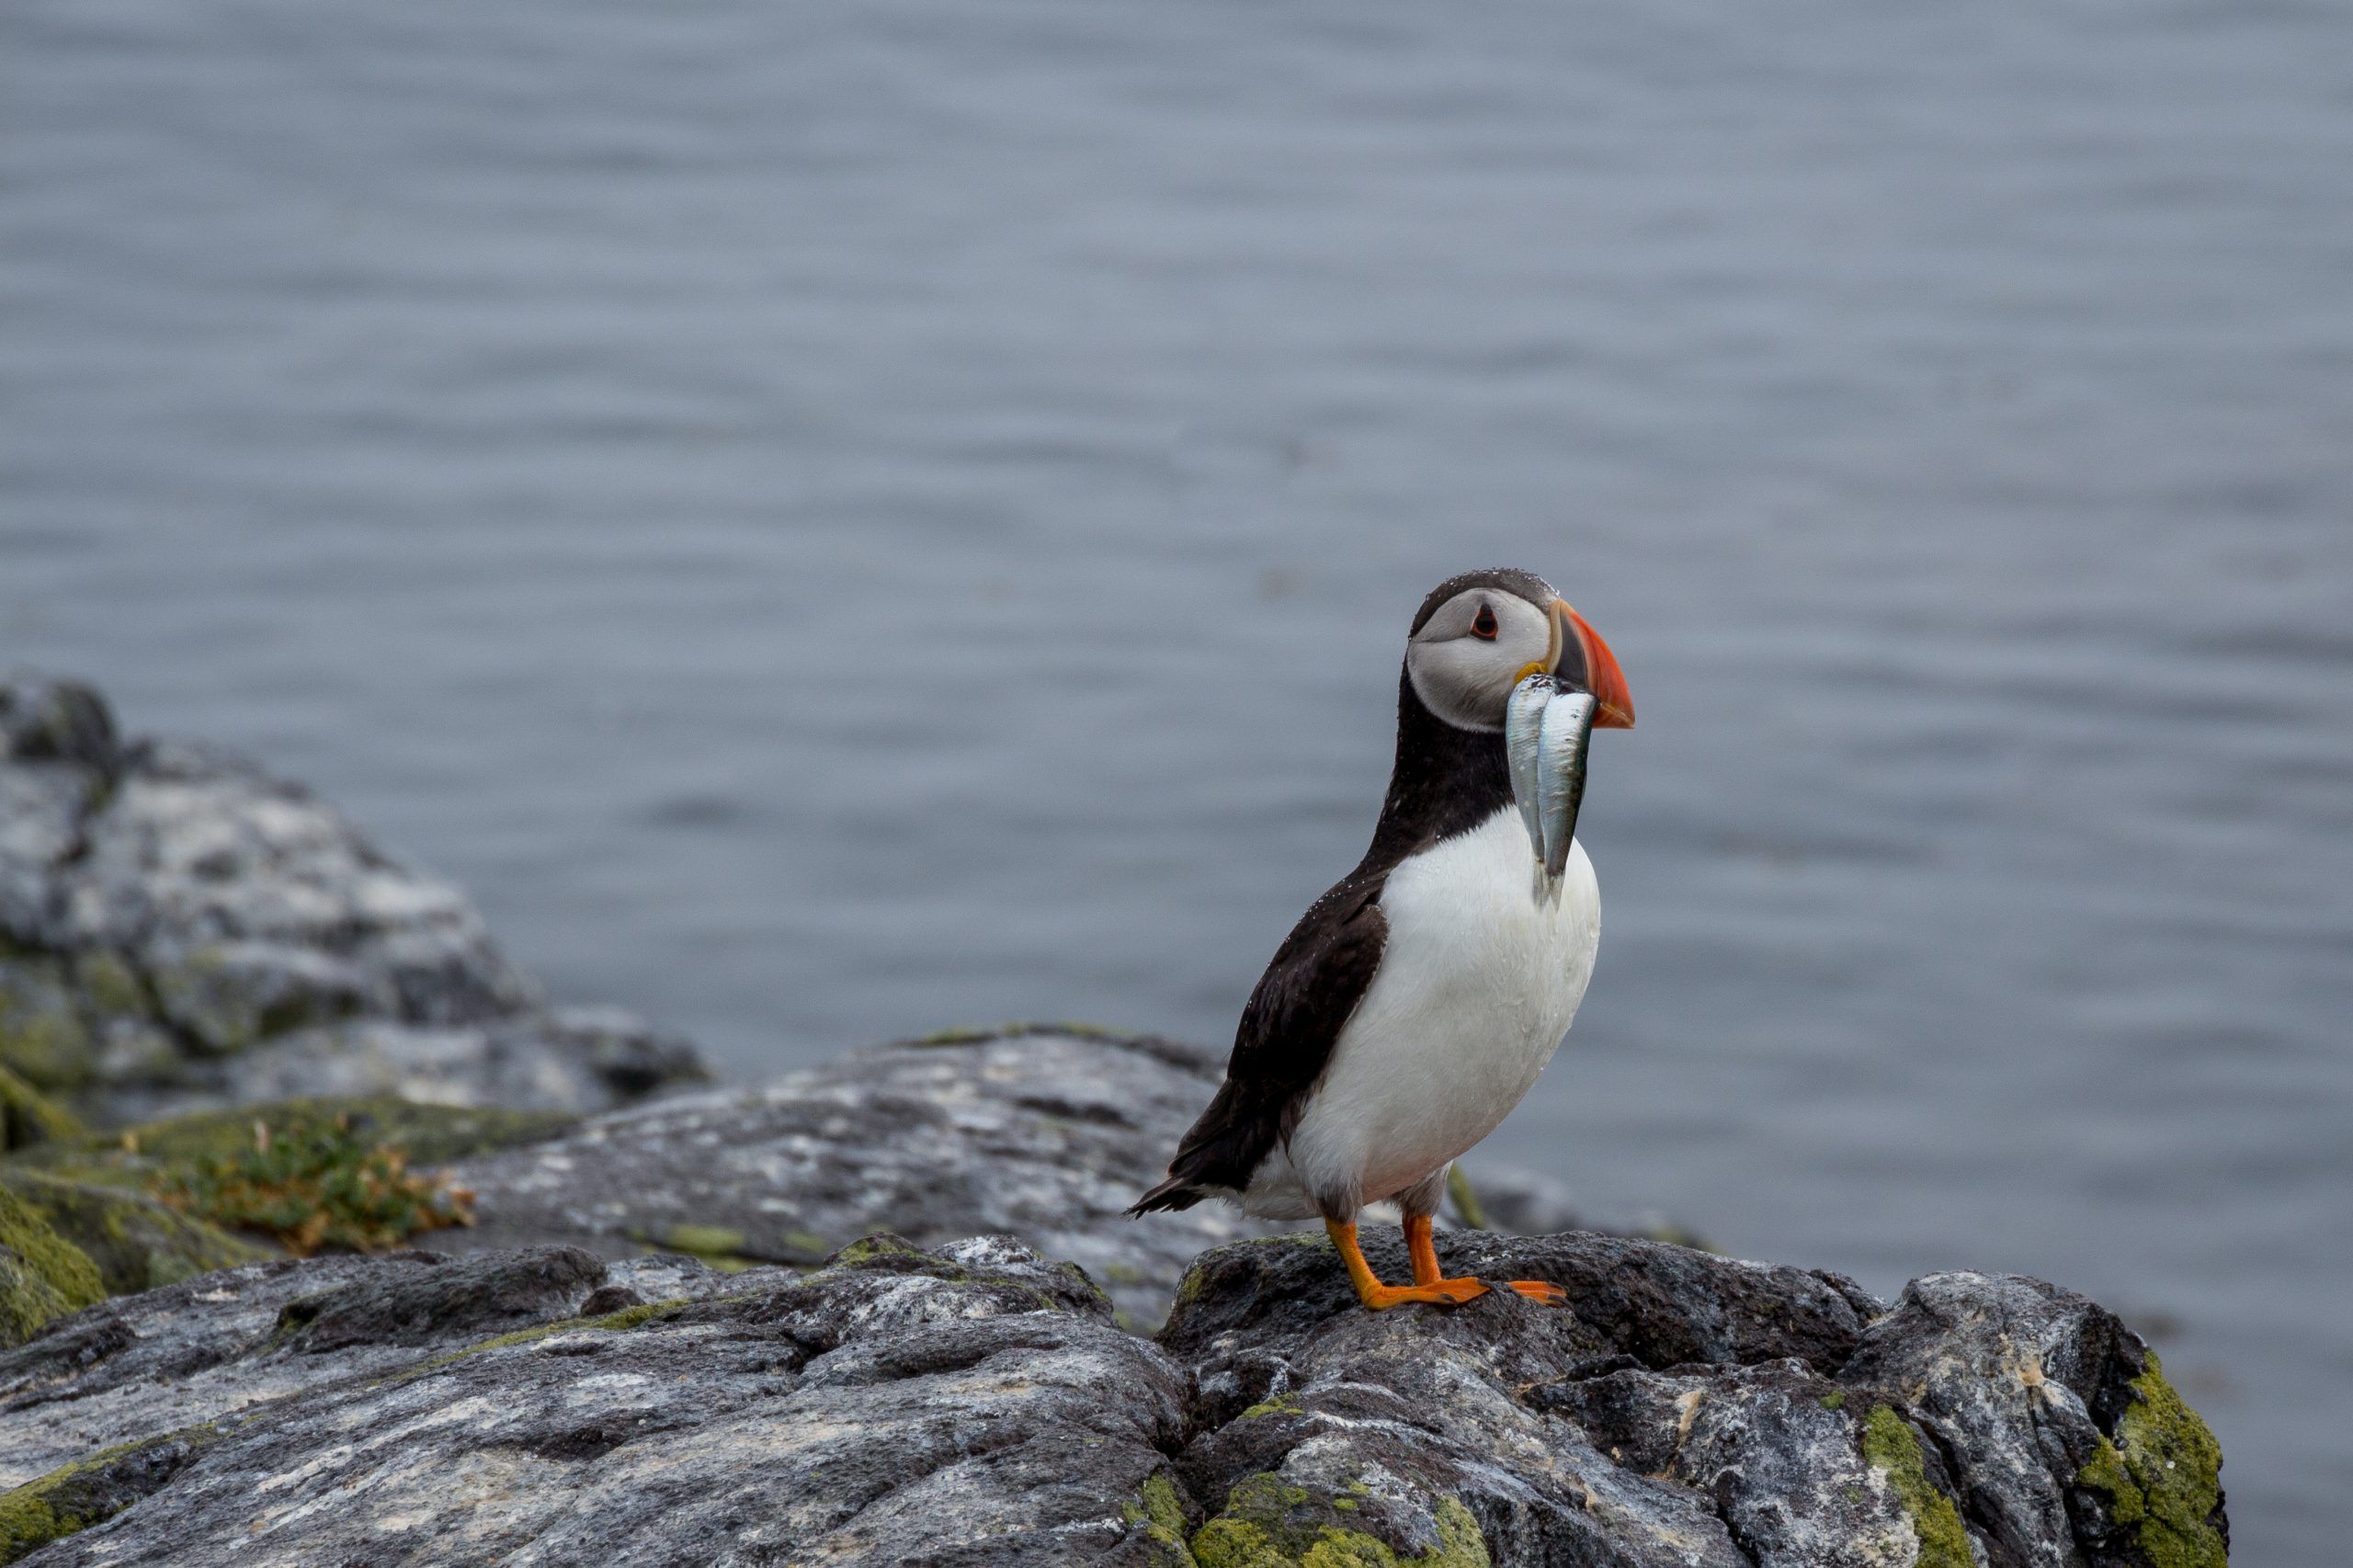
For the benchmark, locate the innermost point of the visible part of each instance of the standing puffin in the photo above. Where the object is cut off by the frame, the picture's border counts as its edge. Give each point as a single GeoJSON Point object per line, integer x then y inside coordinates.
{"type": "Point", "coordinates": [1414, 1004]}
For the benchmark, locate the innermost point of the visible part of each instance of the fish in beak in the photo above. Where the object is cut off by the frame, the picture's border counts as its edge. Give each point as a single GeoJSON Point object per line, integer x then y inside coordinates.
{"type": "Point", "coordinates": [1547, 727]}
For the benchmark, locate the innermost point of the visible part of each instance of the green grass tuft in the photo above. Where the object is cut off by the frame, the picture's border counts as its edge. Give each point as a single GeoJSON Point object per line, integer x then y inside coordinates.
{"type": "Point", "coordinates": [315, 1183]}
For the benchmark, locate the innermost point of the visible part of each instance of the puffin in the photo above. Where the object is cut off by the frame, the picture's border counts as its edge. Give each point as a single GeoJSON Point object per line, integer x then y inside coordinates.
{"type": "Point", "coordinates": [1417, 1001]}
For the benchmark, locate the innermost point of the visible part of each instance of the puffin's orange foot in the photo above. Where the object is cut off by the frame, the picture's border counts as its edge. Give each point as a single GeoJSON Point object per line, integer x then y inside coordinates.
{"type": "Point", "coordinates": [1440, 1293]}
{"type": "Point", "coordinates": [1540, 1290]}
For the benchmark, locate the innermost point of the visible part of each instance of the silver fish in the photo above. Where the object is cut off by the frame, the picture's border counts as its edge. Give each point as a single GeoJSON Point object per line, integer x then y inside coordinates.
{"type": "Point", "coordinates": [1523, 721]}
{"type": "Point", "coordinates": [1567, 730]}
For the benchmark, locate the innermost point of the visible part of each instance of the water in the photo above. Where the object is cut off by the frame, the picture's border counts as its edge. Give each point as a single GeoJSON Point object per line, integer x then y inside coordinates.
{"type": "Point", "coordinates": [834, 522]}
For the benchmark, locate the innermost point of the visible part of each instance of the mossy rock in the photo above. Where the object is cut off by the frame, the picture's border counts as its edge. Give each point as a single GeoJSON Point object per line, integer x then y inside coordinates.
{"type": "Point", "coordinates": [88, 1492]}
{"type": "Point", "coordinates": [29, 1116]}
{"type": "Point", "coordinates": [1269, 1523]}
{"type": "Point", "coordinates": [428, 1134]}
{"type": "Point", "coordinates": [2161, 1477]}
{"type": "Point", "coordinates": [42, 1037]}
{"type": "Point", "coordinates": [137, 1243]}
{"type": "Point", "coordinates": [1161, 1512]}
{"type": "Point", "coordinates": [42, 1275]}
{"type": "Point", "coordinates": [1891, 1448]}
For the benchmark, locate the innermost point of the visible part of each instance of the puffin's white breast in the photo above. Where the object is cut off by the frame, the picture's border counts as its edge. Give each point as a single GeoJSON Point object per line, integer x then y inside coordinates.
{"type": "Point", "coordinates": [1482, 971]}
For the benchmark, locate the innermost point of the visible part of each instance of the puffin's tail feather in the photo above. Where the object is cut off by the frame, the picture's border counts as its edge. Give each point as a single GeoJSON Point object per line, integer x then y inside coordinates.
{"type": "Point", "coordinates": [1176, 1192]}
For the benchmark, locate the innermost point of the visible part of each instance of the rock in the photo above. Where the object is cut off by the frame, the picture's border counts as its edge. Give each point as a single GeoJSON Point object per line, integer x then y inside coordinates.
{"type": "Point", "coordinates": [1043, 1132]}
{"type": "Point", "coordinates": [564, 1058]}
{"type": "Point", "coordinates": [1686, 1409]}
{"type": "Point", "coordinates": [974, 1403]}
{"type": "Point", "coordinates": [1040, 1131]}
{"type": "Point", "coordinates": [969, 1406]}
{"type": "Point", "coordinates": [42, 1276]}
{"type": "Point", "coordinates": [134, 1369]}
{"type": "Point", "coordinates": [2065, 1416]}
{"type": "Point", "coordinates": [178, 928]}
{"type": "Point", "coordinates": [135, 1243]}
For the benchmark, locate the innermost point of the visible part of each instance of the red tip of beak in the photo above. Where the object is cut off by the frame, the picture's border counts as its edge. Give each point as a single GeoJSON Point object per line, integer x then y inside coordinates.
{"type": "Point", "coordinates": [1613, 704]}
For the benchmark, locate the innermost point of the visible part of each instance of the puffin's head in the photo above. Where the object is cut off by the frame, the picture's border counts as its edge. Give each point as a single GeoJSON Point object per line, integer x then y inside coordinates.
{"type": "Point", "coordinates": [1481, 634]}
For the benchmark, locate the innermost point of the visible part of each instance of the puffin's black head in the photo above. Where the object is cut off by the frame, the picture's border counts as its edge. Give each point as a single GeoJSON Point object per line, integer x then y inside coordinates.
{"type": "Point", "coordinates": [1479, 635]}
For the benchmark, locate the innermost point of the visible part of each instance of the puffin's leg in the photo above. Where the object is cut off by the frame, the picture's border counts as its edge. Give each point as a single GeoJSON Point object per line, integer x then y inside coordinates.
{"type": "Point", "coordinates": [1427, 1272]}
{"type": "Point", "coordinates": [1420, 1203]}
{"type": "Point", "coordinates": [1380, 1297]}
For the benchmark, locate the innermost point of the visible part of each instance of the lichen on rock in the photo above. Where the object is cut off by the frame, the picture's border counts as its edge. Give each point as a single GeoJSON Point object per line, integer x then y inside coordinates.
{"type": "Point", "coordinates": [90, 1490]}
{"type": "Point", "coordinates": [1270, 1523]}
{"type": "Point", "coordinates": [1893, 1450]}
{"type": "Point", "coordinates": [42, 1276]}
{"type": "Point", "coordinates": [2160, 1475]}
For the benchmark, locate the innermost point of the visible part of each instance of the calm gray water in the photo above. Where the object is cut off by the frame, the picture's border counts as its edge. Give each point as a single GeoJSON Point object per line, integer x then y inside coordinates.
{"type": "Point", "coordinates": [838, 520]}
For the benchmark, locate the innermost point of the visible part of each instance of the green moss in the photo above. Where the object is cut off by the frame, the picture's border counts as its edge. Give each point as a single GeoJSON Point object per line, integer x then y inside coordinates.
{"type": "Point", "coordinates": [1281, 1405]}
{"type": "Point", "coordinates": [110, 986]}
{"type": "Point", "coordinates": [1162, 1515]}
{"type": "Point", "coordinates": [42, 1276]}
{"type": "Point", "coordinates": [1834, 1399]}
{"type": "Point", "coordinates": [965, 1035]}
{"type": "Point", "coordinates": [1269, 1523]}
{"type": "Point", "coordinates": [719, 1239]}
{"type": "Point", "coordinates": [428, 1134]}
{"type": "Point", "coordinates": [75, 1496]}
{"type": "Point", "coordinates": [866, 1249]}
{"type": "Point", "coordinates": [807, 1246]}
{"type": "Point", "coordinates": [29, 1116]}
{"type": "Point", "coordinates": [1891, 1448]}
{"type": "Point", "coordinates": [620, 1321]}
{"type": "Point", "coordinates": [2162, 1476]}
{"type": "Point", "coordinates": [137, 1243]}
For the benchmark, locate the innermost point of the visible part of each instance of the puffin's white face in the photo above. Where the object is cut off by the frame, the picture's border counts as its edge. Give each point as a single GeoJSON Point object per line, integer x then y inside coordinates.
{"type": "Point", "coordinates": [1473, 649]}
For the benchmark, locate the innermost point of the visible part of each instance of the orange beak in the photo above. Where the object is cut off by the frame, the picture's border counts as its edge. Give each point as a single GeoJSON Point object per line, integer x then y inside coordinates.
{"type": "Point", "coordinates": [1613, 704]}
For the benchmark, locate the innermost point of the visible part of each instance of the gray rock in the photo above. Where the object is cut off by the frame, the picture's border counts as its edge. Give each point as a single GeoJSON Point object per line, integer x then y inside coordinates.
{"type": "Point", "coordinates": [179, 929]}
{"type": "Point", "coordinates": [1686, 1408]}
{"type": "Point", "coordinates": [248, 908]}
{"type": "Point", "coordinates": [977, 1403]}
{"type": "Point", "coordinates": [1040, 1132]}
{"type": "Point", "coordinates": [135, 1368]}
{"type": "Point", "coordinates": [563, 1059]}
{"type": "Point", "coordinates": [971, 1405]}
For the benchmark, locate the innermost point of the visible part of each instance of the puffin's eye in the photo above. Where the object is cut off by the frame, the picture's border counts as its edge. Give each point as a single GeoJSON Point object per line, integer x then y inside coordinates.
{"type": "Point", "coordinates": [1485, 626]}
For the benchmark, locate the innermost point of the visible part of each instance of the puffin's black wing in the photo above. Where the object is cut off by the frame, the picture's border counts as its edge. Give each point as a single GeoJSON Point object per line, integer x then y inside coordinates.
{"type": "Point", "coordinates": [1282, 1044]}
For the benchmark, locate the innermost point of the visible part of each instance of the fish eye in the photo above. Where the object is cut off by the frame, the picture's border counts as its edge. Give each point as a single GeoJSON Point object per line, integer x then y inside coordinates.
{"type": "Point", "coordinates": [1484, 625]}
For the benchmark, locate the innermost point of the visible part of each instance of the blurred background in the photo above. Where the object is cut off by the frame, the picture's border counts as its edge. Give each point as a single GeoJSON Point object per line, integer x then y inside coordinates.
{"type": "Point", "coordinates": [834, 521]}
